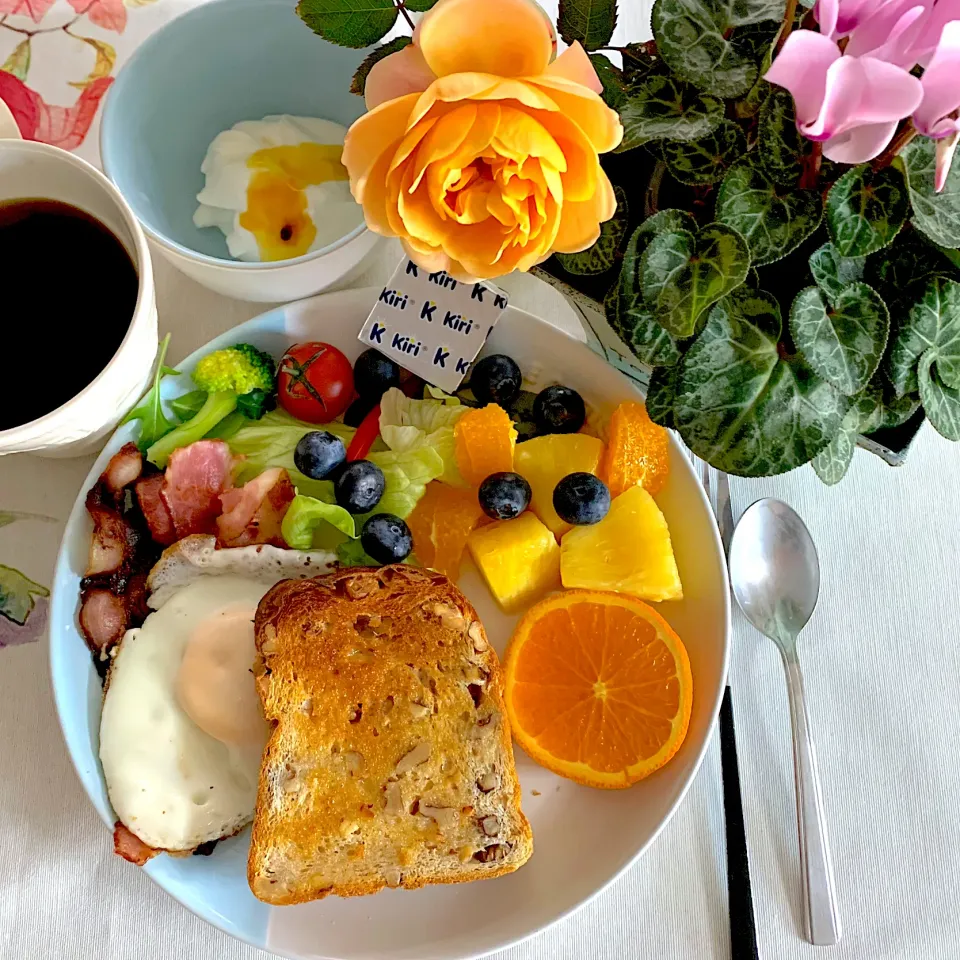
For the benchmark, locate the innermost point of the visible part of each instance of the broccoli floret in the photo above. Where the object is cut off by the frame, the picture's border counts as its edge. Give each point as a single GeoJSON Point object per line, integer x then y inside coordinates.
{"type": "Point", "coordinates": [241, 368]}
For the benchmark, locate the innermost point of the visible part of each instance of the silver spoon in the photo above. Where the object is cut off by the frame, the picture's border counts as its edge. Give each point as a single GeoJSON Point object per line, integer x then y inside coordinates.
{"type": "Point", "coordinates": [775, 577]}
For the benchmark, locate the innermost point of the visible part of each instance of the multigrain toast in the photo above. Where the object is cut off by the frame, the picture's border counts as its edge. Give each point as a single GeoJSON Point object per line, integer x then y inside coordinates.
{"type": "Point", "coordinates": [390, 762]}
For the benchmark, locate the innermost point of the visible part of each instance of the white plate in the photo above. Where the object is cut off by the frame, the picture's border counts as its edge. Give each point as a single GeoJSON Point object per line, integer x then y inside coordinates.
{"type": "Point", "coordinates": [583, 838]}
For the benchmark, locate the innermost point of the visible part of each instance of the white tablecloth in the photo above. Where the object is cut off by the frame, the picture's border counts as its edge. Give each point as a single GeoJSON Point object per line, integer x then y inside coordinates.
{"type": "Point", "coordinates": [883, 677]}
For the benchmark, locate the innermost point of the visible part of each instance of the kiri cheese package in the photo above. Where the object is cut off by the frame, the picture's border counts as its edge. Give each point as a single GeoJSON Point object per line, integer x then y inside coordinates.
{"type": "Point", "coordinates": [432, 324]}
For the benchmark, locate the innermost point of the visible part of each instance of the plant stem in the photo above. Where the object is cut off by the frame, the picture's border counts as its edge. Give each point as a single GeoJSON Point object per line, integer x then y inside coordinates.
{"type": "Point", "coordinates": [406, 16]}
{"type": "Point", "coordinates": [903, 136]}
{"type": "Point", "coordinates": [789, 15]}
{"type": "Point", "coordinates": [33, 33]}
{"type": "Point", "coordinates": [651, 198]}
{"type": "Point", "coordinates": [811, 167]}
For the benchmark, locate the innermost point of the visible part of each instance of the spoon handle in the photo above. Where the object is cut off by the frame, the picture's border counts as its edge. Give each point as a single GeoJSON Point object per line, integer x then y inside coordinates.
{"type": "Point", "coordinates": [821, 919]}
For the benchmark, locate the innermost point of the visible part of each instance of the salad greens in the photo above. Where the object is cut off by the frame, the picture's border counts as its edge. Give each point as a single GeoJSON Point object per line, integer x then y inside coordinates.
{"type": "Point", "coordinates": [306, 514]}
{"type": "Point", "coordinates": [187, 406]}
{"type": "Point", "coordinates": [407, 475]}
{"type": "Point", "coordinates": [153, 422]}
{"type": "Point", "coordinates": [407, 425]}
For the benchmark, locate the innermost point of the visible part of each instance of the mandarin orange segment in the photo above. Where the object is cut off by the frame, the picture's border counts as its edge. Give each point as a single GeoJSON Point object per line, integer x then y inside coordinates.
{"type": "Point", "coordinates": [598, 688]}
{"type": "Point", "coordinates": [485, 439]}
{"type": "Point", "coordinates": [637, 451]}
{"type": "Point", "coordinates": [440, 524]}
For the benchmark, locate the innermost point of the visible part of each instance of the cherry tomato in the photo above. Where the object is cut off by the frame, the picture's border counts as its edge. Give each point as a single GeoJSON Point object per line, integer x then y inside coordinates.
{"type": "Point", "coordinates": [315, 382]}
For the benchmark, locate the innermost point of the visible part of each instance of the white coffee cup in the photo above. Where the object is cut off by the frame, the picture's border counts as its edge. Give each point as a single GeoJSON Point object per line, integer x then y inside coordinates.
{"type": "Point", "coordinates": [30, 170]}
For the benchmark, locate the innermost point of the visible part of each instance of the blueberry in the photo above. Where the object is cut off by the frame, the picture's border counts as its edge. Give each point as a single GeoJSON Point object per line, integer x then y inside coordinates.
{"type": "Point", "coordinates": [318, 454]}
{"type": "Point", "coordinates": [359, 486]}
{"type": "Point", "coordinates": [504, 496]}
{"type": "Point", "coordinates": [386, 538]}
{"type": "Point", "coordinates": [559, 410]}
{"type": "Point", "coordinates": [358, 410]}
{"type": "Point", "coordinates": [496, 379]}
{"type": "Point", "coordinates": [581, 499]}
{"type": "Point", "coordinates": [374, 374]}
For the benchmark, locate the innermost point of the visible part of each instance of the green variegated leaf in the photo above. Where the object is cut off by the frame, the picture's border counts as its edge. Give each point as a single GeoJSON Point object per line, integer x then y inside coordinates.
{"type": "Point", "coordinates": [741, 406]}
{"type": "Point", "coordinates": [867, 209]}
{"type": "Point", "coordinates": [359, 82]}
{"type": "Point", "coordinates": [901, 272]}
{"type": "Point", "coordinates": [843, 343]}
{"type": "Point", "coordinates": [779, 144]}
{"type": "Point", "coordinates": [774, 222]}
{"type": "Point", "coordinates": [665, 221]}
{"type": "Point", "coordinates": [661, 107]}
{"type": "Point", "coordinates": [650, 343]}
{"type": "Point", "coordinates": [762, 37]}
{"type": "Point", "coordinates": [931, 327]}
{"type": "Point", "coordinates": [868, 406]}
{"type": "Point", "coordinates": [349, 23]}
{"type": "Point", "coordinates": [832, 272]}
{"type": "Point", "coordinates": [592, 22]}
{"type": "Point", "coordinates": [684, 274]}
{"type": "Point", "coordinates": [707, 160]}
{"type": "Point", "coordinates": [601, 256]}
{"type": "Point", "coordinates": [833, 461]}
{"type": "Point", "coordinates": [694, 38]}
{"type": "Point", "coordinates": [935, 214]}
{"type": "Point", "coordinates": [661, 395]}
{"type": "Point", "coordinates": [941, 403]}
{"type": "Point", "coordinates": [614, 90]}
{"type": "Point", "coordinates": [638, 61]}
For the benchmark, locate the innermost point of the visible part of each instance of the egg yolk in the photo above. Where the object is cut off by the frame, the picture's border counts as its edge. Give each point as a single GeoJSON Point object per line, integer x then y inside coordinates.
{"type": "Point", "coordinates": [215, 682]}
{"type": "Point", "coordinates": [276, 211]}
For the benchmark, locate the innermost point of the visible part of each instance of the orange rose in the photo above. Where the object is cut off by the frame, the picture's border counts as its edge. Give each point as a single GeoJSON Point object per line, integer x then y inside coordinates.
{"type": "Point", "coordinates": [477, 151]}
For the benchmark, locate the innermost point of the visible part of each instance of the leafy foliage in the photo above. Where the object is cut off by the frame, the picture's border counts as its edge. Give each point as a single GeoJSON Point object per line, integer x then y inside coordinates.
{"type": "Point", "coordinates": [704, 161]}
{"type": "Point", "coordinates": [833, 273]}
{"type": "Point", "coordinates": [660, 107]}
{"type": "Point", "coordinates": [866, 210]}
{"type": "Point", "coordinates": [779, 145]}
{"type": "Point", "coordinates": [600, 257]}
{"type": "Point", "coordinates": [592, 22]}
{"type": "Point", "coordinates": [611, 78]}
{"type": "Point", "coordinates": [935, 214]}
{"type": "Point", "coordinates": [349, 23]}
{"type": "Point", "coordinates": [359, 81]}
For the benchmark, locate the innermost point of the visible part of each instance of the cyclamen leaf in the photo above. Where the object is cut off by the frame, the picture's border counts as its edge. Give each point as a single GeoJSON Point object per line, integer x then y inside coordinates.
{"type": "Point", "coordinates": [741, 406]}
{"type": "Point", "coordinates": [661, 107]}
{"type": "Point", "coordinates": [648, 340]}
{"type": "Point", "coordinates": [843, 343]}
{"type": "Point", "coordinates": [614, 91]}
{"type": "Point", "coordinates": [592, 22]}
{"type": "Point", "coordinates": [932, 326]}
{"type": "Point", "coordinates": [832, 272]}
{"type": "Point", "coordinates": [665, 221]}
{"type": "Point", "coordinates": [693, 37]}
{"type": "Point", "coordinates": [940, 402]}
{"type": "Point", "coordinates": [833, 461]}
{"type": "Point", "coordinates": [683, 274]}
{"type": "Point", "coordinates": [601, 256]}
{"type": "Point", "coordinates": [867, 209]}
{"type": "Point", "coordinates": [779, 144]}
{"type": "Point", "coordinates": [359, 82]}
{"type": "Point", "coordinates": [773, 224]}
{"type": "Point", "coordinates": [707, 160]}
{"type": "Point", "coordinates": [935, 214]}
{"type": "Point", "coordinates": [349, 23]}
{"type": "Point", "coordinates": [661, 394]}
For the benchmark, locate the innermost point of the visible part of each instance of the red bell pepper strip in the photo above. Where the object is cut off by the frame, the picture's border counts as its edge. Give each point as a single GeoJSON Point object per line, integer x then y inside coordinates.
{"type": "Point", "coordinates": [366, 434]}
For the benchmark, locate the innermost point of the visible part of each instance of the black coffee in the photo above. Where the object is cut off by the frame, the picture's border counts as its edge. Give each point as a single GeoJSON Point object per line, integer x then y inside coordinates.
{"type": "Point", "coordinates": [68, 290]}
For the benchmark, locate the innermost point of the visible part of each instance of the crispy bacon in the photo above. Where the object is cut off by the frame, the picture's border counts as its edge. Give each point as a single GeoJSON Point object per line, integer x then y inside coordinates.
{"type": "Point", "coordinates": [104, 619]}
{"type": "Point", "coordinates": [254, 512]}
{"type": "Point", "coordinates": [114, 540]}
{"type": "Point", "coordinates": [196, 477]}
{"type": "Point", "coordinates": [129, 846]}
{"type": "Point", "coordinates": [124, 468]}
{"type": "Point", "coordinates": [154, 510]}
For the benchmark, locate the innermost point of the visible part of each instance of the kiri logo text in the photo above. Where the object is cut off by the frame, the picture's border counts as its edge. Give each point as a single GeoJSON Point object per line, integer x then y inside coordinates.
{"type": "Point", "coordinates": [458, 323]}
{"type": "Point", "coordinates": [426, 311]}
{"type": "Point", "coordinates": [442, 279]}
{"type": "Point", "coordinates": [394, 298]}
{"type": "Point", "coordinates": [404, 344]}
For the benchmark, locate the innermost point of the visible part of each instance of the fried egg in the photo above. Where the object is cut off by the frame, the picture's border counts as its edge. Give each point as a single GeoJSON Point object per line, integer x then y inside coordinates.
{"type": "Point", "coordinates": [181, 730]}
{"type": "Point", "coordinates": [277, 188]}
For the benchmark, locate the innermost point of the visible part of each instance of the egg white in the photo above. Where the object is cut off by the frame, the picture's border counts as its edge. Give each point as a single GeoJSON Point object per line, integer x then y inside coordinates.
{"type": "Point", "coordinates": [224, 197]}
{"type": "Point", "coordinates": [170, 783]}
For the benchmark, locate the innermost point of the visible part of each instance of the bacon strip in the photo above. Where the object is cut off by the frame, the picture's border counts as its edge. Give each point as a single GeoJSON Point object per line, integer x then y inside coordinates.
{"type": "Point", "coordinates": [129, 846]}
{"type": "Point", "coordinates": [104, 619]}
{"type": "Point", "coordinates": [254, 512]}
{"type": "Point", "coordinates": [196, 477]}
{"type": "Point", "coordinates": [154, 510]}
{"type": "Point", "coordinates": [124, 468]}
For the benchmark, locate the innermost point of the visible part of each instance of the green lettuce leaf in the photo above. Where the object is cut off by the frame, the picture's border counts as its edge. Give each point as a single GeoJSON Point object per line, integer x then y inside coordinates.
{"type": "Point", "coordinates": [407, 475]}
{"type": "Point", "coordinates": [306, 514]}
{"type": "Point", "coordinates": [408, 425]}
{"type": "Point", "coordinates": [153, 421]}
{"type": "Point", "coordinates": [351, 554]}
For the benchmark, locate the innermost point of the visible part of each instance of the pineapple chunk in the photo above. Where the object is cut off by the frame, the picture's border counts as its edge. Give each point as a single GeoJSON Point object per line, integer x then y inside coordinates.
{"type": "Point", "coordinates": [544, 461]}
{"type": "Point", "coordinates": [628, 551]}
{"type": "Point", "coordinates": [519, 559]}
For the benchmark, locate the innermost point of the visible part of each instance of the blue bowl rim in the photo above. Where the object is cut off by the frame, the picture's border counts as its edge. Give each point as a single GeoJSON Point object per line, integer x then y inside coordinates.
{"type": "Point", "coordinates": [144, 49]}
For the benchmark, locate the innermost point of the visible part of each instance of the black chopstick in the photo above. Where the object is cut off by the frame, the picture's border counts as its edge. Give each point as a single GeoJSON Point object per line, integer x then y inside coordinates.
{"type": "Point", "coordinates": [743, 925]}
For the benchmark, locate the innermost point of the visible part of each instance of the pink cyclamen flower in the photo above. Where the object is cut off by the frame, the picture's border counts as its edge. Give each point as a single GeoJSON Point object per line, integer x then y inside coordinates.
{"type": "Point", "coordinates": [851, 104]}
{"type": "Point", "coordinates": [936, 116]}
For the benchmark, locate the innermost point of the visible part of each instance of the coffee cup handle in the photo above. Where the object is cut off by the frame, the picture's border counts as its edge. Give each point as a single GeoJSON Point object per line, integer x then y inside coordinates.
{"type": "Point", "coordinates": [8, 126]}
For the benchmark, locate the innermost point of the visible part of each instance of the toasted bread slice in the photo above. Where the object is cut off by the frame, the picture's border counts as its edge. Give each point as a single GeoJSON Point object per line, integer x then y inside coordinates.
{"type": "Point", "coordinates": [390, 763]}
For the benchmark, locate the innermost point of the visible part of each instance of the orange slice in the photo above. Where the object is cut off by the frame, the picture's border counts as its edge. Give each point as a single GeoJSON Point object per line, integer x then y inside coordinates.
{"type": "Point", "coordinates": [440, 524]}
{"type": "Point", "coordinates": [598, 687]}
{"type": "Point", "coordinates": [485, 440]}
{"type": "Point", "coordinates": [637, 453]}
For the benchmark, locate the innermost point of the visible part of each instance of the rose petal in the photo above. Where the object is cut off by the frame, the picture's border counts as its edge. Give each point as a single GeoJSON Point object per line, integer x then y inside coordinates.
{"type": "Point", "coordinates": [940, 82]}
{"type": "Point", "coordinates": [509, 38]}
{"type": "Point", "coordinates": [582, 168]}
{"type": "Point", "coordinates": [801, 68]}
{"type": "Point", "coordinates": [580, 221]}
{"type": "Point", "coordinates": [432, 259]}
{"type": "Point", "coordinates": [861, 143]}
{"type": "Point", "coordinates": [373, 133]}
{"type": "Point", "coordinates": [574, 64]}
{"type": "Point", "coordinates": [479, 86]}
{"type": "Point", "coordinates": [586, 109]}
{"type": "Point", "coordinates": [395, 76]}
{"type": "Point", "coordinates": [863, 91]}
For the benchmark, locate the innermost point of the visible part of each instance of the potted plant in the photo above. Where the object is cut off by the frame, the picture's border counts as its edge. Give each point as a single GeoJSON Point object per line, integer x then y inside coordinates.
{"type": "Point", "coordinates": [782, 267]}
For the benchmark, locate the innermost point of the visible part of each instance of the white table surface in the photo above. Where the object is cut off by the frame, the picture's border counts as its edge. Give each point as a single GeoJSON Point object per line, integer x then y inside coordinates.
{"type": "Point", "coordinates": [883, 680]}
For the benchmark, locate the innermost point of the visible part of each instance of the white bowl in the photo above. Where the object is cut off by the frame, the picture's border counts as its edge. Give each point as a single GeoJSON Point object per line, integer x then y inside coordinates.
{"type": "Point", "coordinates": [583, 838]}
